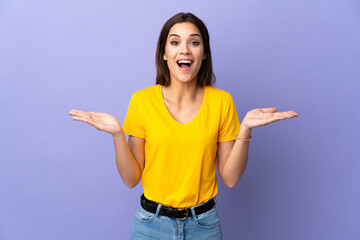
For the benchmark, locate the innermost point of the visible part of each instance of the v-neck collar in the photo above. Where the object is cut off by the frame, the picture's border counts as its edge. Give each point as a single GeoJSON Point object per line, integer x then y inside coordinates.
{"type": "Point", "coordinates": [172, 118]}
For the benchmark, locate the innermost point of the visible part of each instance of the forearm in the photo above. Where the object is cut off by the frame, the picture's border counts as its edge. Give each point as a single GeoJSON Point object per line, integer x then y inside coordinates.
{"type": "Point", "coordinates": [233, 166]}
{"type": "Point", "coordinates": [236, 162]}
{"type": "Point", "coordinates": [127, 166]}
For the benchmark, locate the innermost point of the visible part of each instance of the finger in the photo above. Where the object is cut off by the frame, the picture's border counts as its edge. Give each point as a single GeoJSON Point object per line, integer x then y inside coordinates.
{"type": "Point", "coordinates": [284, 115]}
{"type": "Point", "coordinates": [268, 110]}
{"type": "Point", "coordinates": [74, 112]}
{"type": "Point", "coordinates": [96, 114]}
{"type": "Point", "coordinates": [270, 120]}
{"type": "Point", "coordinates": [291, 114]}
{"type": "Point", "coordinates": [295, 113]}
{"type": "Point", "coordinates": [281, 116]}
{"type": "Point", "coordinates": [86, 120]}
{"type": "Point", "coordinates": [80, 113]}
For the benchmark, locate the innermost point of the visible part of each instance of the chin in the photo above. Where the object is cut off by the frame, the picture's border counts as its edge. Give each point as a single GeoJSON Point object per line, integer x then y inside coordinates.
{"type": "Point", "coordinates": [186, 79]}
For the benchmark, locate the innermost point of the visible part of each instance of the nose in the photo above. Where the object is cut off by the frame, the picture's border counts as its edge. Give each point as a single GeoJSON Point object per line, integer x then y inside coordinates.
{"type": "Point", "coordinates": [185, 49]}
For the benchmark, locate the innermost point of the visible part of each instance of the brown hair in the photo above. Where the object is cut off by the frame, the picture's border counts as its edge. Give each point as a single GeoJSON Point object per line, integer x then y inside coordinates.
{"type": "Point", "coordinates": [205, 75]}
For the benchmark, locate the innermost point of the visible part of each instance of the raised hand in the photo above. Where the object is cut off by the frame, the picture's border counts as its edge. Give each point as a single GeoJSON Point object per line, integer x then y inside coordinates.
{"type": "Point", "coordinates": [101, 121]}
{"type": "Point", "coordinates": [264, 116]}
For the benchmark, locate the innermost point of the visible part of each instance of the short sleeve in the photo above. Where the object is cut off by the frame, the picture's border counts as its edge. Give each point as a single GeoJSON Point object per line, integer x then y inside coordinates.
{"type": "Point", "coordinates": [229, 125]}
{"type": "Point", "coordinates": [133, 123]}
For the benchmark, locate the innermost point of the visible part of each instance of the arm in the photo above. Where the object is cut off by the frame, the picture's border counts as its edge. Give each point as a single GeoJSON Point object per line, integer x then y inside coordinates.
{"type": "Point", "coordinates": [129, 156]}
{"type": "Point", "coordinates": [233, 156]}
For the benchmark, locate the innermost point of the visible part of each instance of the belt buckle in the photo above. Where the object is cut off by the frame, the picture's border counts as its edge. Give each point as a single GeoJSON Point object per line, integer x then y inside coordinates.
{"type": "Point", "coordinates": [187, 213]}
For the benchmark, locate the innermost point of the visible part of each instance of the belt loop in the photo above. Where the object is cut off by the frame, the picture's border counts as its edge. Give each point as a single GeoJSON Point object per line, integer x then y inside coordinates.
{"type": "Point", "coordinates": [158, 209]}
{"type": "Point", "coordinates": [193, 213]}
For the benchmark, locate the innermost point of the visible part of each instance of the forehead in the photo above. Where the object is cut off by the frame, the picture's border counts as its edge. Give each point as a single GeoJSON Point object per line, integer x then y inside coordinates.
{"type": "Point", "coordinates": [184, 29]}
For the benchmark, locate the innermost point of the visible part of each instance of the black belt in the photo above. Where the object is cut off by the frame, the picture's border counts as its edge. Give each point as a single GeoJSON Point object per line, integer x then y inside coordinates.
{"type": "Point", "coordinates": [171, 212]}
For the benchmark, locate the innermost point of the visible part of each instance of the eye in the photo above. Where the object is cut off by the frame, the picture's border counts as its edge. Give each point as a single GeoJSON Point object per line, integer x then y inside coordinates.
{"type": "Point", "coordinates": [174, 43]}
{"type": "Point", "coordinates": [195, 43]}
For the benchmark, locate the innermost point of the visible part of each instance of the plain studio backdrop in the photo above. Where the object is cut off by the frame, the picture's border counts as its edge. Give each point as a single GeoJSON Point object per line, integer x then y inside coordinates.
{"type": "Point", "coordinates": [58, 178]}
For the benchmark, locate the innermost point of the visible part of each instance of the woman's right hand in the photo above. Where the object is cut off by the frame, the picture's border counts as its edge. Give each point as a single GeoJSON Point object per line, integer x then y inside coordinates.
{"type": "Point", "coordinates": [101, 121]}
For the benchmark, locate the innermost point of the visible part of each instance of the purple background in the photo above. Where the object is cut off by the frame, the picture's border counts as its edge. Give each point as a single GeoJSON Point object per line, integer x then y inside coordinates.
{"type": "Point", "coordinates": [58, 178]}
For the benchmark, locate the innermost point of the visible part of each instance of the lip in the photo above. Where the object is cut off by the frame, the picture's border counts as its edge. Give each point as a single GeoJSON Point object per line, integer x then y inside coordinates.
{"type": "Point", "coordinates": [185, 59]}
{"type": "Point", "coordinates": [184, 68]}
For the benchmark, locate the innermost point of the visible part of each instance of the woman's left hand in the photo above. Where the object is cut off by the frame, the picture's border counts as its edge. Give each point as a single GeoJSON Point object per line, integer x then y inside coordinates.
{"type": "Point", "coordinates": [264, 116]}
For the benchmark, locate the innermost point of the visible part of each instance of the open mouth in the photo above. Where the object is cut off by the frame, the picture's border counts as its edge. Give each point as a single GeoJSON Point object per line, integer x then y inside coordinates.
{"type": "Point", "coordinates": [184, 63]}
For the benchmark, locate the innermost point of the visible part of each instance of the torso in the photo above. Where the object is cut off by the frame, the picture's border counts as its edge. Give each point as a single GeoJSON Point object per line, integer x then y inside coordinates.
{"type": "Point", "coordinates": [180, 159]}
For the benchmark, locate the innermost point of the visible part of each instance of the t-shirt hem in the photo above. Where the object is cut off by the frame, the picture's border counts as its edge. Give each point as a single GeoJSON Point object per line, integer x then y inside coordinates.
{"type": "Point", "coordinates": [134, 134]}
{"type": "Point", "coordinates": [227, 139]}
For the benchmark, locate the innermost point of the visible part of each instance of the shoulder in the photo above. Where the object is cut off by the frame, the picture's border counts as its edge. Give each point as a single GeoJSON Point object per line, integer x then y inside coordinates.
{"type": "Point", "coordinates": [218, 94]}
{"type": "Point", "coordinates": [146, 92]}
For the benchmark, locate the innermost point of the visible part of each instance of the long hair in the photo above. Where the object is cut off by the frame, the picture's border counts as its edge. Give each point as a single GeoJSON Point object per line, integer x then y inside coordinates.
{"type": "Point", "coordinates": [205, 75]}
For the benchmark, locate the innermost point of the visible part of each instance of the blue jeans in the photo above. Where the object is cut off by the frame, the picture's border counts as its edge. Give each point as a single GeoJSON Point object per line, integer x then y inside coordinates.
{"type": "Point", "coordinates": [152, 226]}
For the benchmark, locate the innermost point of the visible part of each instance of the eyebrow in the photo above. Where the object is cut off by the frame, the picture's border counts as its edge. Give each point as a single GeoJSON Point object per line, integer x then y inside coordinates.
{"type": "Point", "coordinates": [191, 35]}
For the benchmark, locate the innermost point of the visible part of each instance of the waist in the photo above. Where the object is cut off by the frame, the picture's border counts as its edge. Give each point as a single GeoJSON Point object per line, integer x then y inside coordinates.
{"type": "Point", "coordinates": [171, 212]}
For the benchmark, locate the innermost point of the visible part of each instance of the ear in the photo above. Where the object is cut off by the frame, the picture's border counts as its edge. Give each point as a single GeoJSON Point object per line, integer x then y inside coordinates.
{"type": "Point", "coordinates": [204, 57]}
{"type": "Point", "coordinates": [164, 57]}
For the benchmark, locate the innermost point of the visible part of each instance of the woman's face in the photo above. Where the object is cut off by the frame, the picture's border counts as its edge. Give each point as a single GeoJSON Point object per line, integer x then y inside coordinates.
{"type": "Point", "coordinates": [184, 52]}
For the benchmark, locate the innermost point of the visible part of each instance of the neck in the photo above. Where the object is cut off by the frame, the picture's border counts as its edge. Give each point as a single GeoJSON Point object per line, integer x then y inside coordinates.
{"type": "Point", "coordinates": [182, 93]}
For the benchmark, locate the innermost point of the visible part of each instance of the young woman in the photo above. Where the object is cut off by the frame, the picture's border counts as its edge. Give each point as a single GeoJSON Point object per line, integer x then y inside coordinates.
{"type": "Point", "coordinates": [178, 130]}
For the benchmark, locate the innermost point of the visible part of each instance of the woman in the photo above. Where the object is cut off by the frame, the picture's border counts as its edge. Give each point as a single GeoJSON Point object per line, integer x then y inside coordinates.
{"type": "Point", "coordinates": [177, 129]}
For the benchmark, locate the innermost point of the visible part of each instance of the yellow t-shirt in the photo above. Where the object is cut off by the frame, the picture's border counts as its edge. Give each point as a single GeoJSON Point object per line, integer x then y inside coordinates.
{"type": "Point", "coordinates": [180, 159]}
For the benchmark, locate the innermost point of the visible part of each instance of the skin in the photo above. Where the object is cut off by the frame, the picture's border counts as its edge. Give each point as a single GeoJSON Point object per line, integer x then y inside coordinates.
{"type": "Point", "coordinates": [183, 99]}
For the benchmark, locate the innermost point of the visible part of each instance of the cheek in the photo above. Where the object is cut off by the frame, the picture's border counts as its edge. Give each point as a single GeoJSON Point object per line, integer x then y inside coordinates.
{"type": "Point", "coordinates": [200, 54]}
{"type": "Point", "coordinates": [169, 52]}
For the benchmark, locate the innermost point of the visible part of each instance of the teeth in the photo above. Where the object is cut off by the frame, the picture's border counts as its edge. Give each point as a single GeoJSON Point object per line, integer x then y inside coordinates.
{"type": "Point", "coordinates": [184, 61]}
